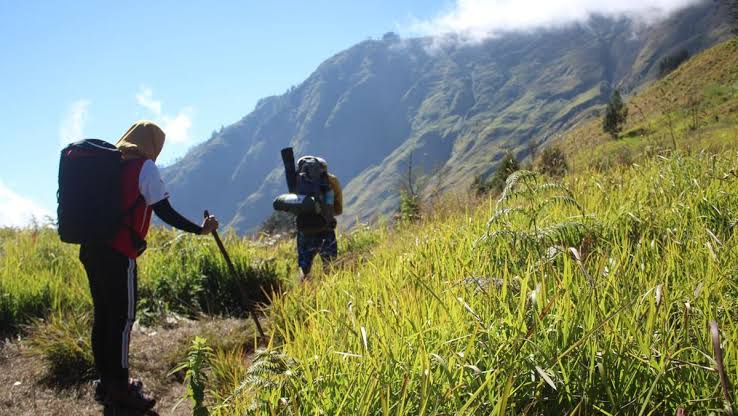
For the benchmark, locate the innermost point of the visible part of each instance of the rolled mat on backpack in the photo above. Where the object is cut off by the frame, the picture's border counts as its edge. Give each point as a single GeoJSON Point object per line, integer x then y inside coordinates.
{"type": "Point", "coordinates": [296, 204]}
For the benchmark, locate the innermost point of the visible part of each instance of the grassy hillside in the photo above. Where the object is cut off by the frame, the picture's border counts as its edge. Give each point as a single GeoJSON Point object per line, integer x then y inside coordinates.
{"type": "Point", "coordinates": [596, 298]}
{"type": "Point", "coordinates": [185, 289]}
{"type": "Point", "coordinates": [592, 296]}
{"type": "Point", "coordinates": [692, 109]}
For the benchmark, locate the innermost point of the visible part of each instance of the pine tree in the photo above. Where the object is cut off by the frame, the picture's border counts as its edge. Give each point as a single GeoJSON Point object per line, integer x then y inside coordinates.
{"type": "Point", "coordinates": [615, 115]}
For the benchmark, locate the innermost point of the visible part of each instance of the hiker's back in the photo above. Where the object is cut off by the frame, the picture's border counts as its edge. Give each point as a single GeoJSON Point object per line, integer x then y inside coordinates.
{"type": "Point", "coordinates": [312, 181]}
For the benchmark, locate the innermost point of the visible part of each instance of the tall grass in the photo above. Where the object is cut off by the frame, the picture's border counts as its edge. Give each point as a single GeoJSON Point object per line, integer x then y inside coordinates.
{"type": "Point", "coordinates": [41, 276]}
{"type": "Point", "coordinates": [437, 322]}
{"type": "Point", "coordinates": [38, 275]}
{"type": "Point", "coordinates": [469, 311]}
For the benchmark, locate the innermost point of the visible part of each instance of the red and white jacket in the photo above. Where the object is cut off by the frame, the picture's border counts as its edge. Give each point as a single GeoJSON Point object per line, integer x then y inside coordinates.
{"type": "Point", "coordinates": [142, 187]}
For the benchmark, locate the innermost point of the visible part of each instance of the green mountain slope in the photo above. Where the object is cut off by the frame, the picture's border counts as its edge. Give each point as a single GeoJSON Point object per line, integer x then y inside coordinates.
{"type": "Point", "coordinates": [693, 108]}
{"type": "Point", "coordinates": [456, 108]}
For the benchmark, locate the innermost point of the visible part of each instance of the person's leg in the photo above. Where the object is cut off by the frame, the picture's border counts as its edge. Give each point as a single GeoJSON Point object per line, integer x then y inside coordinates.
{"type": "Point", "coordinates": [91, 262]}
{"type": "Point", "coordinates": [115, 277]}
{"type": "Point", "coordinates": [306, 252]}
{"type": "Point", "coordinates": [108, 273]}
{"type": "Point", "coordinates": [113, 283]}
{"type": "Point", "coordinates": [328, 250]}
{"type": "Point", "coordinates": [124, 319]}
{"type": "Point", "coordinates": [124, 393]}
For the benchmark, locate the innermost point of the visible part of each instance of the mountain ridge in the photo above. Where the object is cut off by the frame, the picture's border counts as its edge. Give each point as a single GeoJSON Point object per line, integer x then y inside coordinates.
{"type": "Point", "coordinates": [455, 108]}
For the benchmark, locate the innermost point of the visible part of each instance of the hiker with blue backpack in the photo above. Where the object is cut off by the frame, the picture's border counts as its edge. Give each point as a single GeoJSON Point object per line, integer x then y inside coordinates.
{"type": "Point", "coordinates": [316, 199]}
{"type": "Point", "coordinates": [107, 195]}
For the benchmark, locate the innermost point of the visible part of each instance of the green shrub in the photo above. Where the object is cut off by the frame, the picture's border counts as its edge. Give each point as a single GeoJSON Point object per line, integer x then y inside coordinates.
{"type": "Point", "coordinates": [409, 207]}
{"type": "Point", "coordinates": [495, 185]}
{"type": "Point", "coordinates": [553, 162]}
{"type": "Point", "coordinates": [196, 377]}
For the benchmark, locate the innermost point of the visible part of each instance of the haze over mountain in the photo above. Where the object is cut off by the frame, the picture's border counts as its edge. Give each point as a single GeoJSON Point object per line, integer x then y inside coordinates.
{"type": "Point", "coordinates": [455, 106]}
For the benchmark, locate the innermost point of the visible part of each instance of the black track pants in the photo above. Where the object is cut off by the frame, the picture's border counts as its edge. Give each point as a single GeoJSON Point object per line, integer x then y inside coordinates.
{"type": "Point", "coordinates": [113, 286]}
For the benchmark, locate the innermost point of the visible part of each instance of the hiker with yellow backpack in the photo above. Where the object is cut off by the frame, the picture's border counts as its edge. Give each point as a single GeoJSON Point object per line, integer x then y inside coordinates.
{"type": "Point", "coordinates": [107, 195]}
{"type": "Point", "coordinates": [316, 199]}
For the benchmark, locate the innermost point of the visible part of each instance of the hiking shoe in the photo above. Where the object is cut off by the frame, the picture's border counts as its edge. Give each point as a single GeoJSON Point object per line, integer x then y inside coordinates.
{"type": "Point", "coordinates": [100, 392]}
{"type": "Point", "coordinates": [132, 398]}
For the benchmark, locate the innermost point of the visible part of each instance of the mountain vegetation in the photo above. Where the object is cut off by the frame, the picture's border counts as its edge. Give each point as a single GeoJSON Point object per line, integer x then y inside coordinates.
{"type": "Point", "coordinates": [457, 107]}
{"type": "Point", "coordinates": [692, 109]}
{"type": "Point", "coordinates": [616, 115]}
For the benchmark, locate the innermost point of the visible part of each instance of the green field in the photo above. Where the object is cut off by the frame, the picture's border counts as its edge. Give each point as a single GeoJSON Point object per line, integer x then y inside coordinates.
{"type": "Point", "coordinates": [591, 295]}
{"type": "Point", "coordinates": [436, 319]}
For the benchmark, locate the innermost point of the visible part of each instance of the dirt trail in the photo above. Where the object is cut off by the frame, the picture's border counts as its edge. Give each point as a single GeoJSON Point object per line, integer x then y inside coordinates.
{"type": "Point", "coordinates": [24, 391]}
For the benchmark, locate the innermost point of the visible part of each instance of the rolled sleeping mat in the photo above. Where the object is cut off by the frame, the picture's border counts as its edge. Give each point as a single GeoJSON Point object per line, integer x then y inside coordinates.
{"type": "Point", "coordinates": [296, 204]}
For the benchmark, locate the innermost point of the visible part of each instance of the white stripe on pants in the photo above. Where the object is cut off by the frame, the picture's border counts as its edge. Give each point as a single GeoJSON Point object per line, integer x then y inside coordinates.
{"type": "Point", "coordinates": [130, 315]}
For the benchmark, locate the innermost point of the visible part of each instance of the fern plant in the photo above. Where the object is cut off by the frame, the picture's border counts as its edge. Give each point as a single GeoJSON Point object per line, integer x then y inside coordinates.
{"type": "Point", "coordinates": [196, 365]}
{"type": "Point", "coordinates": [269, 371]}
{"type": "Point", "coordinates": [523, 215]}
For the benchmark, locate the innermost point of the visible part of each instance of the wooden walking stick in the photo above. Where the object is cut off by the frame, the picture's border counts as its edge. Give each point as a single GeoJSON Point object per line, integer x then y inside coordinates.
{"type": "Point", "coordinates": [232, 269]}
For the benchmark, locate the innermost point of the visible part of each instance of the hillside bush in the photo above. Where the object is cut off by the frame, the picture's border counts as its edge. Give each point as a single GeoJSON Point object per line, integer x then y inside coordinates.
{"type": "Point", "coordinates": [553, 162]}
{"type": "Point", "coordinates": [279, 223]}
{"type": "Point", "coordinates": [505, 168]}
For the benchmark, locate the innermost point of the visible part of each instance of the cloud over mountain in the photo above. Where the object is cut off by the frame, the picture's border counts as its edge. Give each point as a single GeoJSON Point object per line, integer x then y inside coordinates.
{"type": "Point", "coordinates": [479, 19]}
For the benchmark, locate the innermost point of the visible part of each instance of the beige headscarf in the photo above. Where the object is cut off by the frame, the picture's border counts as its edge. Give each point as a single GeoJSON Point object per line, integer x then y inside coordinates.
{"type": "Point", "coordinates": [144, 139]}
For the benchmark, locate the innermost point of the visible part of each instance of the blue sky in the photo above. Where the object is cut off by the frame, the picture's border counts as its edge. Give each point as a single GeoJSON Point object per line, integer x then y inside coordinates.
{"type": "Point", "coordinates": [89, 69]}
{"type": "Point", "coordinates": [92, 68]}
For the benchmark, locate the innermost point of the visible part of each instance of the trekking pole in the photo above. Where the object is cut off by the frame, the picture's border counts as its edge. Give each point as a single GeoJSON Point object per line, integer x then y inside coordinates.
{"type": "Point", "coordinates": [232, 269]}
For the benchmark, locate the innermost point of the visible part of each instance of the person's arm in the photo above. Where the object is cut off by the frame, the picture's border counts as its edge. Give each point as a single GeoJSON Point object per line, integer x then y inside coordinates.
{"type": "Point", "coordinates": [152, 189]}
{"type": "Point", "coordinates": [163, 209]}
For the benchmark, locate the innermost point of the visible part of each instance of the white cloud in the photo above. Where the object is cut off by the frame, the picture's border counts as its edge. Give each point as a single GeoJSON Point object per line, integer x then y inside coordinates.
{"type": "Point", "coordinates": [176, 127]}
{"type": "Point", "coordinates": [478, 19]}
{"type": "Point", "coordinates": [72, 126]}
{"type": "Point", "coordinates": [18, 211]}
{"type": "Point", "coordinates": [145, 98]}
